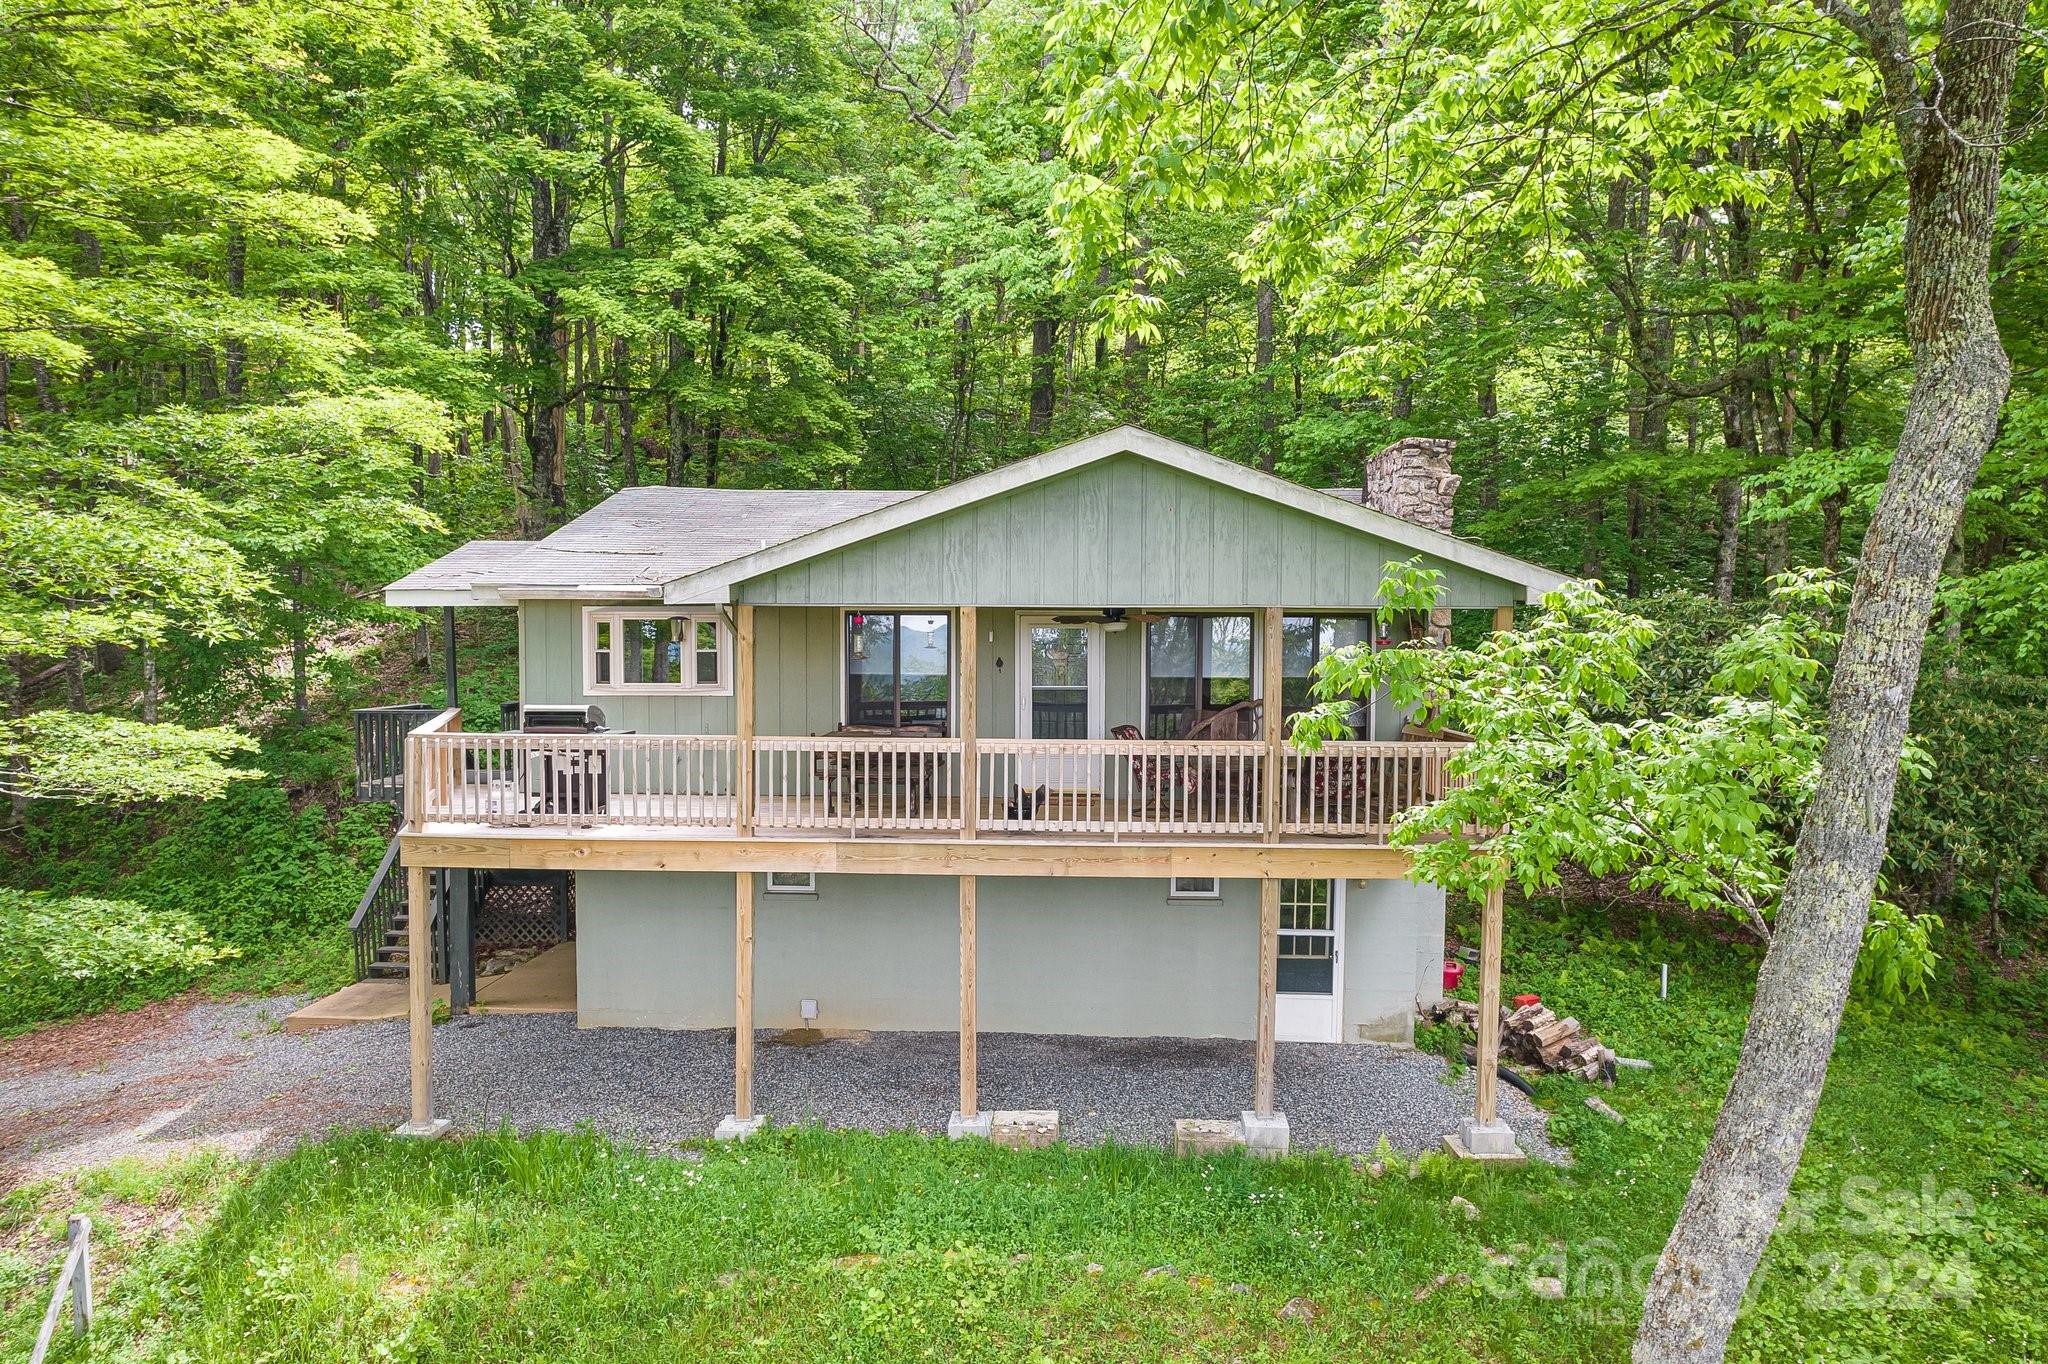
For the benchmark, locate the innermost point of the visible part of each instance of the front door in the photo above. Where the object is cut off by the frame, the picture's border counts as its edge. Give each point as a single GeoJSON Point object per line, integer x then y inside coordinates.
{"type": "Point", "coordinates": [1308, 1007]}
{"type": "Point", "coordinates": [1059, 696]}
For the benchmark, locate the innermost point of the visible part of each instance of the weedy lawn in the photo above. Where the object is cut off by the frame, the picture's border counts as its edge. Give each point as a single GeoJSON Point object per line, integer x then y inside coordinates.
{"type": "Point", "coordinates": [1918, 1230]}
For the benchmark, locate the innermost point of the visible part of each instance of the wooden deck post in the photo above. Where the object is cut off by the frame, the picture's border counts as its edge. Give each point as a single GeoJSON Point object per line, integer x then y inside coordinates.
{"type": "Point", "coordinates": [743, 722]}
{"type": "Point", "coordinates": [1274, 707]}
{"type": "Point", "coordinates": [419, 993]}
{"type": "Point", "coordinates": [1489, 1004]}
{"type": "Point", "coordinates": [448, 678]}
{"type": "Point", "coordinates": [1269, 980]}
{"type": "Point", "coordinates": [743, 997]}
{"type": "Point", "coordinates": [970, 734]}
{"type": "Point", "coordinates": [969, 1040]}
{"type": "Point", "coordinates": [1503, 619]}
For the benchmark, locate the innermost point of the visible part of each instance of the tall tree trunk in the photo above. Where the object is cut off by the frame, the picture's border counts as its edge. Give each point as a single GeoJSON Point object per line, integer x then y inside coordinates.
{"type": "Point", "coordinates": [1960, 379]}
{"type": "Point", "coordinates": [1044, 348]}
{"type": "Point", "coordinates": [1831, 506]}
{"type": "Point", "coordinates": [714, 420]}
{"type": "Point", "coordinates": [622, 376]}
{"type": "Point", "coordinates": [682, 358]}
{"type": "Point", "coordinates": [234, 350]}
{"type": "Point", "coordinates": [302, 706]}
{"type": "Point", "coordinates": [150, 691]}
{"type": "Point", "coordinates": [14, 686]}
{"type": "Point", "coordinates": [547, 416]}
{"type": "Point", "coordinates": [1262, 363]}
{"type": "Point", "coordinates": [963, 393]}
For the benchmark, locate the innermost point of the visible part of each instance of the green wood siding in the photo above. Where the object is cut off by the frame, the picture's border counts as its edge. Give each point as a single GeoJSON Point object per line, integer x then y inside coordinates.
{"type": "Point", "coordinates": [796, 674]}
{"type": "Point", "coordinates": [1122, 532]}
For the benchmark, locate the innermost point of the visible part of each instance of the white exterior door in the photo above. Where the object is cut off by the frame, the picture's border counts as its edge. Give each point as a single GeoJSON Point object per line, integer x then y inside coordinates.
{"type": "Point", "coordinates": [1309, 1006]}
{"type": "Point", "coordinates": [1059, 696]}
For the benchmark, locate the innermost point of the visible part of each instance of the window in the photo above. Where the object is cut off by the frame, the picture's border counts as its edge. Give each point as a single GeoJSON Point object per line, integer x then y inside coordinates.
{"type": "Point", "coordinates": [899, 669]}
{"type": "Point", "coordinates": [1194, 888]}
{"type": "Point", "coordinates": [792, 883]}
{"type": "Point", "coordinates": [1306, 641]}
{"type": "Point", "coordinates": [643, 652]}
{"type": "Point", "coordinates": [1194, 667]}
{"type": "Point", "coordinates": [1308, 941]}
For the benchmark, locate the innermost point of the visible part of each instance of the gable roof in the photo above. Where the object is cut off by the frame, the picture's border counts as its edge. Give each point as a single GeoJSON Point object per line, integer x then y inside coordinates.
{"type": "Point", "coordinates": [695, 545]}
{"type": "Point", "coordinates": [630, 544]}
{"type": "Point", "coordinates": [714, 584]}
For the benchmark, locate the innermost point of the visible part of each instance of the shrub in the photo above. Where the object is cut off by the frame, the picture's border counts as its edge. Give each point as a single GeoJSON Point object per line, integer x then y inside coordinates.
{"type": "Point", "coordinates": [66, 955]}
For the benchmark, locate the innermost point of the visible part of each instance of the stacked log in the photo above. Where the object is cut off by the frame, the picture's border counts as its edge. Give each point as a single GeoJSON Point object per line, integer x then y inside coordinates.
{"type": "Point", "coordinates": [1534, 1037]}
{"type": "Point", "coordinates": [1539, 1039]}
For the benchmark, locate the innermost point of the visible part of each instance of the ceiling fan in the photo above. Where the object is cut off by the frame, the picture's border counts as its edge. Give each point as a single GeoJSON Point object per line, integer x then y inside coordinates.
{"type": "Point", "coordinates": [1115, 615]}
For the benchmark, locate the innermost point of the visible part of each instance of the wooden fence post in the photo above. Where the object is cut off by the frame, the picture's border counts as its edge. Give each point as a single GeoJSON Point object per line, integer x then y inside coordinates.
{"type": "Point", "coordinates": [74, 1281]}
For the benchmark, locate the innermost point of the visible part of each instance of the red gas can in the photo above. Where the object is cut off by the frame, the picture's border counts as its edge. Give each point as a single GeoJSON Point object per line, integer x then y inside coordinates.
{"type": "Point", "coordinates": [1454, 971]}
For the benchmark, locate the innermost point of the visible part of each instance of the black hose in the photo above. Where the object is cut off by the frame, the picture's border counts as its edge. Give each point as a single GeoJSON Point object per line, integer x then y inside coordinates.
{"type": "Point", "coordinates": [1513, 1077]}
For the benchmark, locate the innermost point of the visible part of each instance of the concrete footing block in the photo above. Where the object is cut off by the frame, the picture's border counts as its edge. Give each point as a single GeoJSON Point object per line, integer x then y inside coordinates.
{"type": "Point", "coordinates": [1265, 1134]}
{"type": "Point", "coordinates": [1023, 1128]}
{"type": "Point", "coordinates": [959, 1127]}
{"type": "Point", "coordinates": [433, 1129]}
{"type": "Point", "coordinates": [1488, 1141]}
{"type": "Point", "coordinates": [732, 1127]}
{"type": "Point", "coordinates": [1207, 1136]}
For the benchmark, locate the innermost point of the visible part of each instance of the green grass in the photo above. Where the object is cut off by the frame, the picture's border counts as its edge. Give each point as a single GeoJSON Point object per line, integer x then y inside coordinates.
{"type": "Point", "coordinates": [1921, 1229]}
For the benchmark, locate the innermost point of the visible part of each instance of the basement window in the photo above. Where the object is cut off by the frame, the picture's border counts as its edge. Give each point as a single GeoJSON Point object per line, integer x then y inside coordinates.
{"type": "Point", "coordinates": [792, 883]}
{"type": "Point", "coordinates": [1194, 888]}
{"type": "Point", "coordinates": [648, 653]}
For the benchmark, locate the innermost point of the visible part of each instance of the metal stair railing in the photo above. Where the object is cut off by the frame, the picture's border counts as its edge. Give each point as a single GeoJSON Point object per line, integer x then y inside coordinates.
{"type": "Point", "coordinates": [381, 907]}
{"type": "Point", "coordinates": [370, 926]}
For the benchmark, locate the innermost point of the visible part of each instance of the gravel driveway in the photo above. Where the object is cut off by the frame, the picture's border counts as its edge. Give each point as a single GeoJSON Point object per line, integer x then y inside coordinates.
{"type": "Point", "coordinates": [222, 1074]}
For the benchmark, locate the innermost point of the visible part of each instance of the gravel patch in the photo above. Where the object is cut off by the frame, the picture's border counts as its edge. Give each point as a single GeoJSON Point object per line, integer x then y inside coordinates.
{"type": "Point", "coordinates": [223, 1074]}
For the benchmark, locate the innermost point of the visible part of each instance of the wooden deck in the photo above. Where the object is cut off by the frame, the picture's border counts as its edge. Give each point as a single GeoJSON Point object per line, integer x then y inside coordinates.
{"type": "Point", "coordinates": [846, 788]}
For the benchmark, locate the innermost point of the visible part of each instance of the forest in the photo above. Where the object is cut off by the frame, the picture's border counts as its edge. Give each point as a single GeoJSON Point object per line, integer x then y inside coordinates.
{"type": "Point", "coordinates": [1720, 301]}
{"type": "Point", "coordinates": [296, 298]}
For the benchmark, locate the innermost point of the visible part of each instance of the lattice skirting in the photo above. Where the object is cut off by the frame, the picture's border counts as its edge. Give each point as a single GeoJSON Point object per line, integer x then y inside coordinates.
{"type": "Point", "coordinates": [524, 909]}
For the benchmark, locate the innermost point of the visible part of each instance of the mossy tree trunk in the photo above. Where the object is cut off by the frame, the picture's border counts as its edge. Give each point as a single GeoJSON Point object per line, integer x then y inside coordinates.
{"type": "Point", "coordinates": [1951, 121]}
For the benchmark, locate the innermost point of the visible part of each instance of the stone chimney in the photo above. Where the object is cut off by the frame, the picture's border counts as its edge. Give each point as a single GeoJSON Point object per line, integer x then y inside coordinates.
{"type": "Point", "coordinates": [1412, 479]}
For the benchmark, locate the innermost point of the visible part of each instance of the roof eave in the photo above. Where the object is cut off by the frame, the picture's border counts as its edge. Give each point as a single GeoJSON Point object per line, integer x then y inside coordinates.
{"type": "Point", "coordinates": [474, 595]}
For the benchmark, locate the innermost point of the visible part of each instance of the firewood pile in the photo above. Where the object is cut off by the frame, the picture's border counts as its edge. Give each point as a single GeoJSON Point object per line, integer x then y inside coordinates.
{"type": "Point", "coordinates": [1534, 1037]}
{"type": "Point", "coordinates": [1540, 1040]}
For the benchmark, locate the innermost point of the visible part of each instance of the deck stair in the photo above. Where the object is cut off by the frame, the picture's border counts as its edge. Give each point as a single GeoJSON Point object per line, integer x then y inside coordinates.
{"type": "Point", "coordinates": [382, 920]}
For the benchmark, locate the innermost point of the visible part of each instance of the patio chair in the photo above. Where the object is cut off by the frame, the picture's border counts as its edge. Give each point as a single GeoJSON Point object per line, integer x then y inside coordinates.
{"type": "Point", "coordinates": [1231, 785]}
{"type": "Point", "coordinates": [1151, 775]}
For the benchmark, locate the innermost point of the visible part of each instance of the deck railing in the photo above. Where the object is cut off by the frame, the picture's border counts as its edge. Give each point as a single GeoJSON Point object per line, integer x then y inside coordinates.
{"type": "Point", "coordinates": [844, 783]}
{"type": "Point", "coordinates": [380, 748]}
{"type": "Point", "coordinates": [1359, 789]}
{"type": "Point", "coordinates": [535, 780]}
{"type": "Point", "coordinates": [833, 785]}
{"type": "Point", "coordinates": [1122, 786]}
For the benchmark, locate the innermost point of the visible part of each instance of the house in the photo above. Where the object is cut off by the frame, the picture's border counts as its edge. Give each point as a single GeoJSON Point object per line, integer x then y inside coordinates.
{"type": "Point", "coordinates": [1006, 755]}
